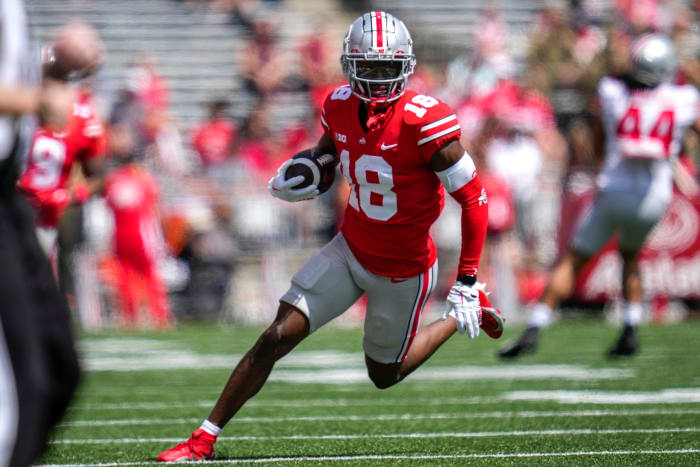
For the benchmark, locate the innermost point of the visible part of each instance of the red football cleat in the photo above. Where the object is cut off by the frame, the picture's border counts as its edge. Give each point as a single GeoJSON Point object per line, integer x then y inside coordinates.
{"type": "Point", "coordinates": [199, 447]}
{"type": "Point", "coordinates": [491, 319]}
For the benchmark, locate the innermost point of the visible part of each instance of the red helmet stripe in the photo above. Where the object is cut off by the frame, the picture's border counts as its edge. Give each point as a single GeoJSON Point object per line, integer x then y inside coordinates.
{"type": "Point", "coordinates": [379, 16]}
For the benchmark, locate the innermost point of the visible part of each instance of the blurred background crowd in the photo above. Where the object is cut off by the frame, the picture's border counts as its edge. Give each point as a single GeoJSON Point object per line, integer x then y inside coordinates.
{"type": "Point", "coordinates": [210, 96]}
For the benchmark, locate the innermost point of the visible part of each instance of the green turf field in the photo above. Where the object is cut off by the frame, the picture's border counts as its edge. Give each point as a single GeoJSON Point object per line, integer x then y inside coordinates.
{"type": "Point", "coordinates": [565, 405]}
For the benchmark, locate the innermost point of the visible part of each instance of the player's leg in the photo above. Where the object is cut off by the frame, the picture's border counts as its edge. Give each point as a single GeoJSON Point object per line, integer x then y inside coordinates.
{"type": "Point", "coordinates": [632, 309]}
{"type": "Point", "coordinates": [424, 345]}
{"type": "Point", "coordinates": [290, 327]}
{"type": "Point", "coordinates": [394, 342]}
{"type": "Point", "coordinates": [127, 292]}
{"type": "Point", "coordinates": [642, 211]}
{"type": "Point", "coordinates": [321, 290]}
{"type": "Point", "coordinates": [156, 291]}
{"type": "Point", "coordinates": [593, 231]}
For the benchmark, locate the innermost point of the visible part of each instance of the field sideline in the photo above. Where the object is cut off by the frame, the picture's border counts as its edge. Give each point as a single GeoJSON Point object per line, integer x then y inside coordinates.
{"type": "Point", "coordinates": [565, 405]}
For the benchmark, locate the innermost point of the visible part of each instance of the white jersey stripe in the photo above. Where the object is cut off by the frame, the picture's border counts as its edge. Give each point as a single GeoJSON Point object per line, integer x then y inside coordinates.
{"type": "Point", "coordinates": [428, 139]}
{"type": "Point", "coordinates": [430, 126]}
{"type": "Point", "coordinates": [323, 122]}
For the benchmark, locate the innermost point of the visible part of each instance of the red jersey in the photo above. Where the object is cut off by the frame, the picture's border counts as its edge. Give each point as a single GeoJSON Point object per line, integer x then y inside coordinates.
{"type": "Point", "coordinates": [51, 157]}
{"type": "Point", "coordinates": [132, 195]}
{"type": "Point", "coordinates": [394, 195]}
{"type": "Point", "coordinates": [213, 140]}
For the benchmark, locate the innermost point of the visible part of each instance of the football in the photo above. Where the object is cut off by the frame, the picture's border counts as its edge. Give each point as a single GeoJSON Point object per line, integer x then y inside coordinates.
{"type": "Point", "coordinates": [318, 169]}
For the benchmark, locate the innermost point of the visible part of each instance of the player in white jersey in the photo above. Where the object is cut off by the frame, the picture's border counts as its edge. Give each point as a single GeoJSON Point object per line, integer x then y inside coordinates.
{"type": "Point", "coordinates": [643, 116]}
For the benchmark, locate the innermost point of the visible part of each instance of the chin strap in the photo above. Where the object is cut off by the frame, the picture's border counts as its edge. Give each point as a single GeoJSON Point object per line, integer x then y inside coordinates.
{"type": "Point", "coordinates": [374, 117]}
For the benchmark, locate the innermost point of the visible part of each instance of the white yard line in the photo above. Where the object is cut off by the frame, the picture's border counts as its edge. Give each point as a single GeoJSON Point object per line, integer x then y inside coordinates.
{"type": "Point", "coordinates": [404, 457]}
{"type": "Point", "coordinates": [292, 404]}
{"type": "Point", "coordinates": [474, 434]}
{"type": "Point", "coordinates": [664, 396]}
{"type": "Point", "coordinates": [389, 417]}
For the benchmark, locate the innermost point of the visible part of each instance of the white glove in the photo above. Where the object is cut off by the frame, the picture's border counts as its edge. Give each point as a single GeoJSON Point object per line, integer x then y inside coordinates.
{"type": "Point", "coordinates": [463, 305]}
{"type": "Point", "coordinates": [282, 189]}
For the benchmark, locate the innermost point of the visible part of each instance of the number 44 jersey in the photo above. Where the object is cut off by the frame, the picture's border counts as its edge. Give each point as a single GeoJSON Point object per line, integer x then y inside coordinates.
{"type": "Point", "coordinates": [643, 131]}
{"type": "Point", "coordinates": [394, 195]}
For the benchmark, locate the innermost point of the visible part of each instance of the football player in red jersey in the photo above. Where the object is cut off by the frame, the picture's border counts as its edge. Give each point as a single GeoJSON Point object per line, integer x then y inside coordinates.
{"type": "Point", "coordinates": [132, 195]}
{"type": "Point", "coordinates": [397, 149]}
{"type": "Point", "coordinates": [75, 53]}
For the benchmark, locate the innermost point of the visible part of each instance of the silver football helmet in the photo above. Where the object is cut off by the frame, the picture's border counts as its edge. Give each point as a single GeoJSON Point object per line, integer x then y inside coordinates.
{"type": "Point", "coordinates": [378, 57]}
{"type": "Point", "coordinates": [654, 59]}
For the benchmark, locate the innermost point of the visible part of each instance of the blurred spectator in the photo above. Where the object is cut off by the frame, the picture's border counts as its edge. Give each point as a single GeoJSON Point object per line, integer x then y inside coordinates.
{"type": "Point", "coordinates": [579, 179]}
{"type": "Point", "coordinates": [127, 133]}
{"type": "Point", "coordinates": [141, 123]}
{"type": "Point", "coordinates": [240, 12]}
{"type": "Point", "coordinates": [317, 54]}
{"type": "Point", "coordinates": [213, 138]}
{"type": "Point", "coordinates": [148, 84]}
{"type": "Point", "coordinates": [319, 69]}
{"type": "Point", "coordinates": [132, 195]}
{"type": "Point", "coordinates": [641, 16]}
{"type": "Point", "coordinates": [261, 148]}
{"type": "Point", "coordinates": [210, 252]}
{"type": "Point", "coordinates": [686, 35]}
{"type": "Point", "coordinates": [515, 157]}
{"type": "Point", "coordinates": [570, 54]}
{"type": "Point", "coordinates": [263, 66]}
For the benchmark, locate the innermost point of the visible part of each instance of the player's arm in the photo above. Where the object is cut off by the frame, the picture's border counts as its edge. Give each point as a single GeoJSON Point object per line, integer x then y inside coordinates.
{"type": "Point", "coordinates": [456, 170]}
{"type": "Point", "coordinates": [50, 101]}
{"type": "Point", "coordinates": [18, 100]}
{"type": "Point", "coordinates": [283, 188]}
{"type": "Point", "coordinates": [94, 170]}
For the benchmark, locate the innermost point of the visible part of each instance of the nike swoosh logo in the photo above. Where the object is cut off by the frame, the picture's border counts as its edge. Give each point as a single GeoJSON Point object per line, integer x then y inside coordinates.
{"type": "Point", "coordinates": [384, 147]}
{"type": "Point", "coordinates": [396, 281]}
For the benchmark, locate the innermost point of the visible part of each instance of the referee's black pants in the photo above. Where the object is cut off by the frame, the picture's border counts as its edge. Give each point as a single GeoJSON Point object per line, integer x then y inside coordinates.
{"type": "Point", "coordinates": [38, 360]}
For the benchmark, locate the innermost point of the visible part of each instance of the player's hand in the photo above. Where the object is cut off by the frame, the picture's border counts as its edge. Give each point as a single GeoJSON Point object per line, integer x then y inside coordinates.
{"type": "Point", "coordinates": [463, 305]}
{"type": "Point", "coordinates": [283, 189]}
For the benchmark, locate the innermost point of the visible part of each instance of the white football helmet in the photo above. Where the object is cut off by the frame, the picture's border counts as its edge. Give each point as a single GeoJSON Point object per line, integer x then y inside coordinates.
{"type": "Point", "coordinates": [654, 59]}
{"type": "Point", "coordinates": [378, 57]}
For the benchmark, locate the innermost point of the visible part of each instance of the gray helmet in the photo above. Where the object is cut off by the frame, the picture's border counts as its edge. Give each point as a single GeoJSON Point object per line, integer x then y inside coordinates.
{"type": "Point", "coordinates": [378, 57]}
{"type": "Point", "coordinates": [654, 59]}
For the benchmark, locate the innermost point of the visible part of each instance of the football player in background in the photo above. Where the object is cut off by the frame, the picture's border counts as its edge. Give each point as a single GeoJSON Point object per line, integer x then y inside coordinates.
{"type": "Point", "coordinates": [397, 149]}
{"type": "Point", "coordinates": [132, 195]}
{"type": "Point", "coordinates": [643, 116]}
{"type": "Point", "coordinates": [46, 181]}
{"type": "Point", "coordinates": [39, 369]}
